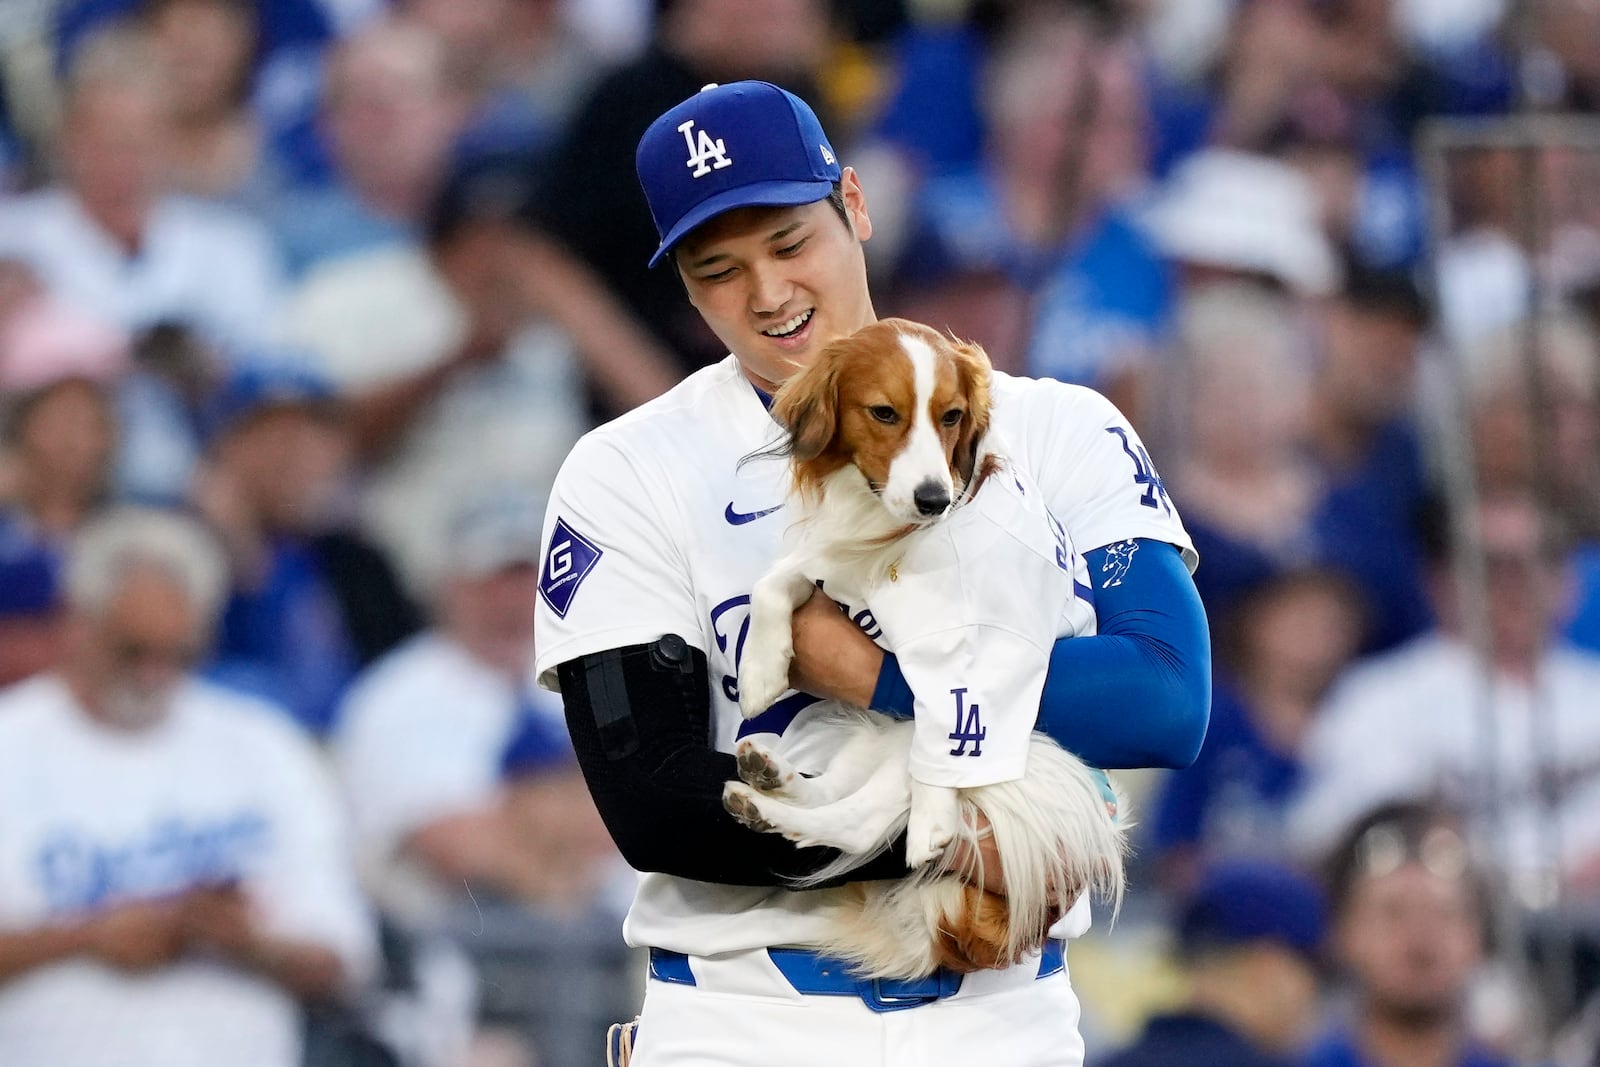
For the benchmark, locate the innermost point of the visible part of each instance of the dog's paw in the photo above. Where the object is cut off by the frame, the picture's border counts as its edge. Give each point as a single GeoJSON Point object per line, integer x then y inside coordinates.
{"type": "Point", "coordinates": [763, 677]}
{"type": "Point", "coordinates": [745, 805]}
{"type": "Point", "coordinates": [763, 770]}
{"type": "Point", "coordinates": [927, 837]}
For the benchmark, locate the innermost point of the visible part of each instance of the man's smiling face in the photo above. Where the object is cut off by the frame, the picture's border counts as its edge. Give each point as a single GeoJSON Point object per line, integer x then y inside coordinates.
{"type": "Point", "coordinates": [776, 284]}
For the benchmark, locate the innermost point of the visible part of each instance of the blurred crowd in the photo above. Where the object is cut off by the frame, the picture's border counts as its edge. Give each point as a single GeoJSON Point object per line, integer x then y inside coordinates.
{"type": "Point", "coordinates": [303, 303]}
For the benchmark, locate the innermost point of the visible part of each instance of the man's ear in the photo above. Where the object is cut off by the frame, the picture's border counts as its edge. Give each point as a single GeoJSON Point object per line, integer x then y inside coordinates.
{"type": "Point", "coordinates": [855, 203]}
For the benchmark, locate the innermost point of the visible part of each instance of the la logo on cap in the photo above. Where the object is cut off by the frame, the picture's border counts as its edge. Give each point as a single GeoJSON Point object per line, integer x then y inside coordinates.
{"type": "Point", "coordinates": [703, 150]}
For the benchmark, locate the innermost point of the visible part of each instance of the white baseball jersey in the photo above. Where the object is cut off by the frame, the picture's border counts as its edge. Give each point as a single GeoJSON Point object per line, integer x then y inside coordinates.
{"type": "Point", "coordinates": [656, 527]}
{"type": "Point", "coordinates": [224, 790]}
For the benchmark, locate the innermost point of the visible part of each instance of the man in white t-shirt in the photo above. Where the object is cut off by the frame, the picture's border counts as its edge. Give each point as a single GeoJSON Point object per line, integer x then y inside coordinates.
{"type": "Point", "coordinates": [112, 241]}
{"type": "Point", "coordinates": [655, 534]}
{"type": "Point", "coordinates": [471, 822]}
{"type": "Point", "coordinates": [1511, 739]}
{"type": "Point", "coordinates": [174, 876]}
{"type": "Point", "coordinates": [423, 736]}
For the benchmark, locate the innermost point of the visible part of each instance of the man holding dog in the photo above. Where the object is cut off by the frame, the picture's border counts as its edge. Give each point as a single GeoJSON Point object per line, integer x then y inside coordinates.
{"type": "Point", "coordinates": [657, 531]}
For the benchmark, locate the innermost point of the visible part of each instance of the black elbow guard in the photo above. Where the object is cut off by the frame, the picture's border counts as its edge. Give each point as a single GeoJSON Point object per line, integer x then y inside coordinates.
{"type": "Point", "coordinates": [640, 720]}
{"type": "Point", "coordinates": [620, 695]}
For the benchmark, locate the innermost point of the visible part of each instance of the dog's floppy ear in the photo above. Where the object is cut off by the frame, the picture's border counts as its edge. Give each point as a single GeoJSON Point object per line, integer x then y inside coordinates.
{"type": "Point", "coordinates": [974, 372]}
{"type": "Point", "coordinates": [808, 405]}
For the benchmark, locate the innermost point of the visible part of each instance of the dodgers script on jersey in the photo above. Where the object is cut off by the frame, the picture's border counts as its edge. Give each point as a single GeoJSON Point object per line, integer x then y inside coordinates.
{"type": "Point", "coordinates": [656, 527]}
{"type": "Point", "coordinates": [224, 791]}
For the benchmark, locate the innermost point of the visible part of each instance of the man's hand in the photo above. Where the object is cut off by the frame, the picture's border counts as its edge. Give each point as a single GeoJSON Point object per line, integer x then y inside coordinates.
{"type": "Point", "coordinates": [136, 937]}
{"type": "Point", "coordinates": [980, 867]}
{"type": "Point", "coordinates": [217, 918]}
{"type": "Point", "coordinates": [833, 658]}
{"type": "Point", "coordinates": [220, 919]}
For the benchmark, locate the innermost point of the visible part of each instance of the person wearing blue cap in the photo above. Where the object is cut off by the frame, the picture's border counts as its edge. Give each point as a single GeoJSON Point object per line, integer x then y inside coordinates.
{"type": "Point", "coordinates": [1249, 936]}
{"type": "Point", "coordinates": [657, 529]}
{"type": "Point", "coordinates": [313, 600]}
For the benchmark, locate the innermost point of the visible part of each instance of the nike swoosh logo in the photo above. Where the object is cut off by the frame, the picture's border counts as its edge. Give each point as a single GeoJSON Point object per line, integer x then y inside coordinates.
{"type": "Point", "coordinates": [736, 518]}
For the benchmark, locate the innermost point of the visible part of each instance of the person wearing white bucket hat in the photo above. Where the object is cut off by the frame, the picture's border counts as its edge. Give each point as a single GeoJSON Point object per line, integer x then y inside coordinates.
{"type": "Point", "coordinates": [1239, 213]}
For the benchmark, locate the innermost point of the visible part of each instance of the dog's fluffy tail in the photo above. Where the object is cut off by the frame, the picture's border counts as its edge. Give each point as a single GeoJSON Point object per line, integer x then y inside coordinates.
{"type": "Point", "coordinates": [1056, 839]}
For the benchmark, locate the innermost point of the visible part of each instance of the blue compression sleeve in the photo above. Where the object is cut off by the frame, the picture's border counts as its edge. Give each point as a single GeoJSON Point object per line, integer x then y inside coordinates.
{"type": "Point", "coordinates": [1138, 693]}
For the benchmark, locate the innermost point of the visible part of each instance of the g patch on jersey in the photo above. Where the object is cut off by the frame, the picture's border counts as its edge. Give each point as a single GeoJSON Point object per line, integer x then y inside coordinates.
{"type": "Point", "coordinates": [567, 562]}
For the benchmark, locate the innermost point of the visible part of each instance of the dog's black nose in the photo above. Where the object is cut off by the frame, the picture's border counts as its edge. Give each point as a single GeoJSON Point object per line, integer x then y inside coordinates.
{"type": "Point", "coordinates": [931, 498]}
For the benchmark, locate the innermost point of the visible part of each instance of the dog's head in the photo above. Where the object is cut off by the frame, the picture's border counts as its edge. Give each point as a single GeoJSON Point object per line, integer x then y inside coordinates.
{"type": "Point", "coordinates": [903, 403]}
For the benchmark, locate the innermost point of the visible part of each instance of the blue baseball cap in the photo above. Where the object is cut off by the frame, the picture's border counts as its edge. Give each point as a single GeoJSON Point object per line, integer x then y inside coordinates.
{"type": "Point", "coordinates": [30, 577]}
{"type": "Point", "coordinates": [259, 386]}
{"type": "Point", "coordinates": [1240, 901]}
{"type": "Point", "coordinates": [745, 144]}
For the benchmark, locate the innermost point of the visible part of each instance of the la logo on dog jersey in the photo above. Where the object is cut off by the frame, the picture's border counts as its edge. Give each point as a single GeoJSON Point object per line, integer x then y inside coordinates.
{"type": "Point", "coordinates": [969, 727]}
{"type": "Point", "coordinates": [703, 150]}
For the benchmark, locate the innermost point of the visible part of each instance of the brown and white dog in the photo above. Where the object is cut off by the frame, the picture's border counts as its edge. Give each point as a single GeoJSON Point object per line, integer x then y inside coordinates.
{"type": "Point", "coordinates": [888, 431]}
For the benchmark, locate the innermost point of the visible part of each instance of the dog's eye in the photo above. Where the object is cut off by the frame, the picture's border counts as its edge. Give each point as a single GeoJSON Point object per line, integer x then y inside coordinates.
{"type": "Point", "coordinates": [884, 413]}
{"type": "Point", "coordinates": [952, 417]}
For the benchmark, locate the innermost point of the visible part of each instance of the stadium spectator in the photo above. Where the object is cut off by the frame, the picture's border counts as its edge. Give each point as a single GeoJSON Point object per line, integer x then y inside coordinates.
{"type": "Point", "coordinates": [389, 117]}
{"type": "Point", "coordinates": [1229, 215]}
{"type": "Point", "coordinates": [461, 380]}
{"type": "Point", "coordinates": [1364, 439]}
{"type": "Point", "coordinates": [58, 436]}
{"type": "Point", "coordinates": [59, 443]}
{"type": "Point", "coordinates": [1409, 917]}
{"type": "Point", "coordinates": [1546, 447]}
{"type": "Point", "coordinates": [467, 803]}
{"type": "Point", "coordinates": [421, 734]}
{"type": "Point", "coordinates": [1278, 653]}
{"type": "Point", "coordinates": [112, 240]}
{"type": "Point", "coordinates": [1249, 494]}
{"type": "Point", "coordinates": [1249, 937]}
{"type": "Point", "coordinates": [520, 65]}
{"type": "Point", "coordinates": [1028, 249]}
{"type": "Point", "coordinates": [1508, 732]}
{"type": "Point", "coordinates": [219, 149]}
{"type": "Point", "coordinates": [175, 879]}
{"type": "Point", "coordinates": [313, 601]}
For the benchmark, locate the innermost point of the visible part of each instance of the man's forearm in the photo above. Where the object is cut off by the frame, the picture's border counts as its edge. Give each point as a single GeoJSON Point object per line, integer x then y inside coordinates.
{"type": "Point", "coordinates": [309, 971]}
{"type": "Point", "coordinates": [27, 950]}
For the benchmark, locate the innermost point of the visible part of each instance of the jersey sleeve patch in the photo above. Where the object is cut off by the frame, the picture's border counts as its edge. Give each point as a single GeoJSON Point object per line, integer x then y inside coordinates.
{"type": "Point", "coordinates": [567, 562]}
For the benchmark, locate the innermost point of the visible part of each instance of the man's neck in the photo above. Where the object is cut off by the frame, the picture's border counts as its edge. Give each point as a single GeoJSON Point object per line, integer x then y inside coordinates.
{"type": "Point", "coordinates": [512, 664]}
{"type": "Point", "coordinates": [1236, 1006]}
{"type": "Point", "coordinates": [123, 224]}
{"type": "Point", "coordinates": [1339, 437]}
{"type": "Point", "coordinates": [87, 697]}
{"type": "Point", "coordinates": [398, 199]}
{"type": "Point", "coordinates": [1398, 1041]}
{"type": "Point", "coordinates": [56, 508]}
